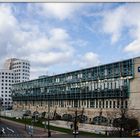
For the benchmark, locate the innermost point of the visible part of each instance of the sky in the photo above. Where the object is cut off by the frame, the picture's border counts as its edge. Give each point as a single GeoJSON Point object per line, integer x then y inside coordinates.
{"type": "Point", "coordinates": [63, 37]}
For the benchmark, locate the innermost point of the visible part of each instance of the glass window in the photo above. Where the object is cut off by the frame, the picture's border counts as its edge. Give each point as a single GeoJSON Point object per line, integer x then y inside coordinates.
{"type": "Point", "coordinates": [118, 104]}
{"type": "Point", "coordinates": [114, 104]}
{"type": "Point", "coordinates": [106, 104]}
{"type": "Point", "coordinates": [110, 104]}
{"type": "Point", "coordinates": [92, 103]}
{"type": "Point", "coordinates": [126, 104]}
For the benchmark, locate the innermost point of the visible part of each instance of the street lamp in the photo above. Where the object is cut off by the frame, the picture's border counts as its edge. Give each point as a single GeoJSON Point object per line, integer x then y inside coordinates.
{"type": "Point", "coordinates": [75, 132]}
{"type": "Point", "coordinates": [0, 107]}
{"type": "Point", "coordinates": [49, 132]}
{"type": "Point", "coordinates": [24, 116]}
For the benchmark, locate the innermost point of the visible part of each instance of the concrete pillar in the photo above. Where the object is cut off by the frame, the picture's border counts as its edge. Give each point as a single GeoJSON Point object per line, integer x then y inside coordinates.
{"type": "Point", "coordinates": [95, 102]}
{"type": "Point", "coordinates": [88, 103]}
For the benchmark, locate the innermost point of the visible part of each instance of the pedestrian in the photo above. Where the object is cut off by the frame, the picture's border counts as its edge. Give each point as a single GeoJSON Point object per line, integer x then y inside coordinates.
{"type": "Point", "coordinates": [71, 126]}
{"type": "Point", "coordinates": [76, 127]}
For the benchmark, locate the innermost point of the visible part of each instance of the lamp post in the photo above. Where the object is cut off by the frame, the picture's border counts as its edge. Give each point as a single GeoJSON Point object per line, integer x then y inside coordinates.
{"type": "Point", "coordinates": [24, 116]}
{"type": "Point", "coordinates": [75, 132]}
{"type": "Point", "coordinates": [49, 132]}
{"type": "Point", "coordinates": [0, 107]}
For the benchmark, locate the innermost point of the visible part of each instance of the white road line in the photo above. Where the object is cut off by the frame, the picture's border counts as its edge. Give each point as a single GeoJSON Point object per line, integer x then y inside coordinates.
{"type": "Point", "coordinates": [3, 130]}
{"type": "Point", "coordinates": [10, 130]}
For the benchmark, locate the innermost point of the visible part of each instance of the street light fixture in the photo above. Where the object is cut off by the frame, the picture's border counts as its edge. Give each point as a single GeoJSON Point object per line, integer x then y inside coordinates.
{"type": "Point", "coordinates": [24, 116]}
{"type": "Point", "coordinates": [49, 132]}
{"type": "Point", "coordinates": [75, 132]}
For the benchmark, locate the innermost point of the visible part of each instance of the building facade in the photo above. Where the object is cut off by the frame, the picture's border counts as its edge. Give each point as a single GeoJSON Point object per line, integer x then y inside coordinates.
{"type": "Point", "coordinates": [15, 70]}
{"type": "Point", "coordinates": [95, 92]}
{"type": "Point", "coordinates": [20, 67]}
{"type": "Point", "coordinates": [6, 81]}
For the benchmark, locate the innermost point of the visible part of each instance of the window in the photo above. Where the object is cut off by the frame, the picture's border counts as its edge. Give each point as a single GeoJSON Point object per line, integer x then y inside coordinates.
{"type": "Point", "coordinates": [111, 86]}
{"type": "Point", "coordinates": [106, 104]}
{"type": "Point", "coordinates": [96, 104]}
{"type": "Point", "coordinates": [114, 105]}
{"type": "Point", "coordinates": [118, 104]}
{"type": "Point", "coordinates": [122, 104]}
{"type": "Point", "coordinates": [103, 104]}
{"type": "Point", "coordinates": [126, 104]}
{"type": "Point", "coordinates": [92, 104]}
{"type": "Point", "coordinates": [110, 104]}
{"type": "Point", "coordinates": [100, 105]}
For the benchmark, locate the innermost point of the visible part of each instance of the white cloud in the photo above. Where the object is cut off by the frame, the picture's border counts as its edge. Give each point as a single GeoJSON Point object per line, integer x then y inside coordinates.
{"type": "Point", "coordinates": [123, 17]}
{"type": "Point", "coordinates": [8, 21]}
{"type": "Point", "coordinates": [59, 10]}
{"type": "Point", "coordinates": [59, 34]}
{"type": "Point", "coordinates": [26, 41]}
{"type": "Point", "coordinates": [113, 22]}
{"type": "Point", "coordinates": [89, 59]}
{"type": "Point", "coordinates": [133, 47]}
{"type": "Point", "coordinates": [38, 71]}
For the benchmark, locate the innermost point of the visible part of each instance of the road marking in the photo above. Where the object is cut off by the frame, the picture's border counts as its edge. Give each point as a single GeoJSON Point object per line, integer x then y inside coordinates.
{"type": "Point", "coordinates": [3, 130]}
{"type": "Point", "coordinates": [10, 130]}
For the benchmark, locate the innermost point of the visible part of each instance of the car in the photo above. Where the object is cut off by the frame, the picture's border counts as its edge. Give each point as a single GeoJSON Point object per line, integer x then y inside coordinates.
{"type": "Point", "coordinates": [136, 132]}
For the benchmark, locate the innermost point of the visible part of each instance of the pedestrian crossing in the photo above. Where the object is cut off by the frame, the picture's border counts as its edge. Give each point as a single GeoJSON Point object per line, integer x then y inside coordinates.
{"type": "Point", "coordinates": [6, 131]}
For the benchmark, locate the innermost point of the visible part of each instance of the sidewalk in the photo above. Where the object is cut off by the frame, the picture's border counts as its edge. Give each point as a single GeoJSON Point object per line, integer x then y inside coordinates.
{"type": "Point", "coordinates": [83, 127]}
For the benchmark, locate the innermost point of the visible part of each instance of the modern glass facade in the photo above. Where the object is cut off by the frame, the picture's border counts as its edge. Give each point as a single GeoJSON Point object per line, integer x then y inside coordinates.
{"type": "Point", "coordinates": [109, 81]}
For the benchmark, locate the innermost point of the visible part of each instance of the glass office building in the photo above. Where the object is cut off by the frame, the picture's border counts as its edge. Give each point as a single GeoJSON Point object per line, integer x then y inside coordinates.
{"type": "Point", "coordinates": [106, 87]}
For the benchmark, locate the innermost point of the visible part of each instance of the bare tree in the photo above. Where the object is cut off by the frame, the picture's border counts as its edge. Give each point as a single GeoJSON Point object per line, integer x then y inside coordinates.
{"type": "Point", "coordinates": [122, 121]}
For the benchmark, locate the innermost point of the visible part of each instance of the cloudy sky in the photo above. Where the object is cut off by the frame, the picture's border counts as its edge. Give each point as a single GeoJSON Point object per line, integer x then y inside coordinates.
{"type": "Point", "coordinates": [62, 37]}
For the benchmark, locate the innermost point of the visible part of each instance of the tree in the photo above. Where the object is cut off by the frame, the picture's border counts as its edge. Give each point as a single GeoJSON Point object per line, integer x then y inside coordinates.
{"type": "Point", "coordinates": [123, 122]}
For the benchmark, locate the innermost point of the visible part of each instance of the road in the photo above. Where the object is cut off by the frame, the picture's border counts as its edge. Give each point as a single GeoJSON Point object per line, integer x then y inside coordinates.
{"type": "Point", "coordinates": [9, 131]}
{"type": "Point", "coordinates": [12, 129]}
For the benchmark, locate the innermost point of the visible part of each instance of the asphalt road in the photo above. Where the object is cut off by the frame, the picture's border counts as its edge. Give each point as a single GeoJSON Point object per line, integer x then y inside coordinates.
{"type": "Point", "coordinates": [9, 131]}
{"type": "Point", "coordinates": [17, 130]}
{"type": "Point", "coordinates": [12, 129]}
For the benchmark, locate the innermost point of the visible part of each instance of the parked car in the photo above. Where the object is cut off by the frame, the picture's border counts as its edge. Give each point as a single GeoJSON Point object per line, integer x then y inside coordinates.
{"type": "Point", "coordinates": [136, 133]}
